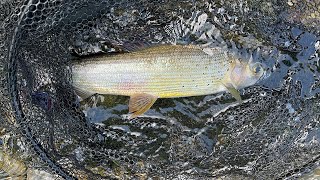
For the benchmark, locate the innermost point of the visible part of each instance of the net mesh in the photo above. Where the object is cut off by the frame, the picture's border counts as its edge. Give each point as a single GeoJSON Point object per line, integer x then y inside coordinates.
{"type": "Point", "coordinates": [47, 132]}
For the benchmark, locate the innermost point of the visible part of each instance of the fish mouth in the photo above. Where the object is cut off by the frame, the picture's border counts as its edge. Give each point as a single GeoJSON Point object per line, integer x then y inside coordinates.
{"type": "Point", "coordinates": [264, 75]}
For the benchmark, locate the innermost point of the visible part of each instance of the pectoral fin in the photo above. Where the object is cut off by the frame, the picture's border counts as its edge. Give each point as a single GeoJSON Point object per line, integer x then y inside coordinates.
{"type": "Point", "coordinates": [140, 103]}
{"type": "Point", "coordinates": [235, 93]}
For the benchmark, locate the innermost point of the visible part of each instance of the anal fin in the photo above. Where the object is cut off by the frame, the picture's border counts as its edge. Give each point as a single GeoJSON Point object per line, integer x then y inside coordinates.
{"type": "Point", "coordinates": [83, 94]}
{"type": "Point", "coordinates": [140, 103]}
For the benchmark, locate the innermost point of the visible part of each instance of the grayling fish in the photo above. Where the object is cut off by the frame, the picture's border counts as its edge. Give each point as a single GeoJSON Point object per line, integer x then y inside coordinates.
{"type": "Point", "coordinates": [166, 71]}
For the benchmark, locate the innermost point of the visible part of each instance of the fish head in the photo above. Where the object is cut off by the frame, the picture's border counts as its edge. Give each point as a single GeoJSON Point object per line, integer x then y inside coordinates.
{"type": "Point", "coordinates": [244, 74]}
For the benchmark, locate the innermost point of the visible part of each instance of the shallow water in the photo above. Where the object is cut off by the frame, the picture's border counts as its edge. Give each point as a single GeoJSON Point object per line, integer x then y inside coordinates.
{"type": "Point", "coordinates": [273, 134]}
{"type": "Point", "coordinates": [302, 67]}
{"type": "Point", "coordinates": [295, 72]}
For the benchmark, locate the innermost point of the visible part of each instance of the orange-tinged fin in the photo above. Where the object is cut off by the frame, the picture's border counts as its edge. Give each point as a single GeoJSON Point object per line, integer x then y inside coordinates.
{"type": "Point", "coordinates": [140, 103]}
{"type": "Point", "coordinates": [83, 94]}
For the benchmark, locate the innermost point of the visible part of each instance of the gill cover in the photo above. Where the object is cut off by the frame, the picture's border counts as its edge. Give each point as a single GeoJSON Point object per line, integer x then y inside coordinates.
{"type": "Point", "coordinates": [244, 74]}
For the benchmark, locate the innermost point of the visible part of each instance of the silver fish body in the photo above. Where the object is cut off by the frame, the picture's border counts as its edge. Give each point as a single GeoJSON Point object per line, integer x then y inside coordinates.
{"type": "Point", "coordinates": [164, 71]}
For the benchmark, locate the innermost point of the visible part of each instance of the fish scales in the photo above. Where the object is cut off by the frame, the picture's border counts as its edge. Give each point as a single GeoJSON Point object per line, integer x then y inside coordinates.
{"type": "Point", "coordinates": [163, 71]}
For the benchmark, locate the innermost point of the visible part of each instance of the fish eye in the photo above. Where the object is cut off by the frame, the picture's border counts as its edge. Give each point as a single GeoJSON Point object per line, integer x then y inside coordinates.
{"type": "Point", "coordinates": [257, 68]}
